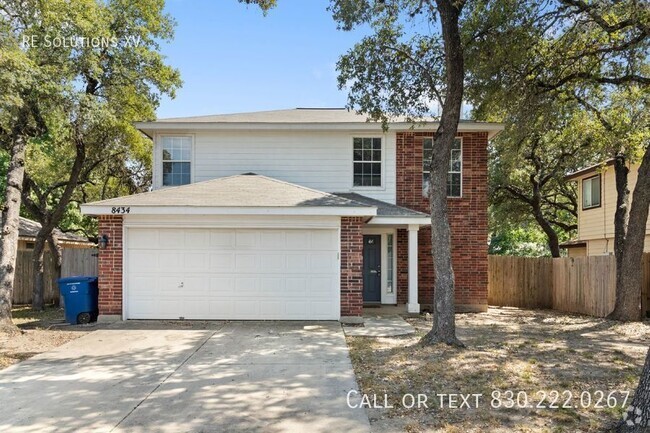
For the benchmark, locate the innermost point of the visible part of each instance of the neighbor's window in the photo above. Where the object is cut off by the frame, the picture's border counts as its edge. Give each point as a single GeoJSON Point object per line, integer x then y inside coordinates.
{"type": "Point", "coordinates": [176, 160]}
{"type": "Point", "coordinates": [455, 174]}
{"type": "Point", "coordinates": [367, 161]}
{"type": "Point", "coordinates": [591, 192]}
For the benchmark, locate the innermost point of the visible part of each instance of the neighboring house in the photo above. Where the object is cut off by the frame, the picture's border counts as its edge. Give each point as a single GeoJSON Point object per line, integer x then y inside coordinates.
{"type": "Point", "coordinates": [290, 214]}
{"type": "Point", "coordinates": [28, 229]}
{"type": "Point", "coordinates": [596, 187]}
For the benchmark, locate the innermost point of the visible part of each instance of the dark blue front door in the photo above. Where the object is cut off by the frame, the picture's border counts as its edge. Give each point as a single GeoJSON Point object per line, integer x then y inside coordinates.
{"type": "Point", "coordinates": [372, 268]}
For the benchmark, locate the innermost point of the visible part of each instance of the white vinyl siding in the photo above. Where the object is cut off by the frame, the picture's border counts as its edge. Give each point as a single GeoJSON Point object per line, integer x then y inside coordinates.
{"type": "Point", "coordinates": [319, 160]}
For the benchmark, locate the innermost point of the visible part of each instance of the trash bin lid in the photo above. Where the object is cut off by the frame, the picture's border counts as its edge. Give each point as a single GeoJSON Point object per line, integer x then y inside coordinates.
{"type": "Point", "coordinates": [77, 279]}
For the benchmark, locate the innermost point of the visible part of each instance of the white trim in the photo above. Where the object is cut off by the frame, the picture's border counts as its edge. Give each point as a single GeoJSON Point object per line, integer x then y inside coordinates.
{"type": "Point", "coordinates": [158, 159]}
{"type": "Point", "coordinates": [214, 210]}
{"type": "Point", "coordinates": [235, 222]}
{"type": "Point", "coordinates": [384, 141]}
{"type": "Point", "coordinates": [413, 306]}
{"type": "Point", "coordinates": [491, 128]}
{"type": "Point", "coordinates": [386, 220]}
{"type": "Point", "coordinates": [125, 261]}
{"type": "Point", "coordinates": [386, 298]}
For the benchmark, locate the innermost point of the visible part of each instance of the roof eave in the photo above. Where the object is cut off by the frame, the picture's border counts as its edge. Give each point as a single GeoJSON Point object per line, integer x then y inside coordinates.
{"type": "Point", "coordinates": [400, 220]}
{"type": "Point", "coordinates": [362, 211]}
{"type": "Point", "coordinates": [149, 128]}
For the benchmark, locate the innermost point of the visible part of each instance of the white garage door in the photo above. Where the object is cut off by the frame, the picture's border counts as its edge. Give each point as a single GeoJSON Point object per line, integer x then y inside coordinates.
{"type": "Point", "coordinates": [232, 274]}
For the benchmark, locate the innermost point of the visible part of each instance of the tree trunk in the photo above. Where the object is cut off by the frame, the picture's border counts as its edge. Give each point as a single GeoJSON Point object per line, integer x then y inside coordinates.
{"type": "Point", "coordinates": [49, 220]}
{"type": "Point", "coordinates": [622, 202]}
{"type": "Point", "coordinates": [551, 235]}
{"type": "Point", "coordinates": [10, 225]}
{"type": "Point", "coordinates": [629, 276]}
{"type": "Point", "coordinates": [38, 292]}
{"type": "Point", "coordinates": [444, 321]}
{"type": "Point", "coordinates": [637, 416]}
{"type": "Point", "coordinates": [57, 254]}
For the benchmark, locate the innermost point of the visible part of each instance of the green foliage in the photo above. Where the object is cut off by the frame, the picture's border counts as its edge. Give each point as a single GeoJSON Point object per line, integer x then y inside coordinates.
{"type": "Point", "coordinates": [570, 81]}
{"type": "Point", "coordinates": [527, 241]}
{"type": "Point", "coordinates": [398, 70]}
{"type": "Point", "coordinates": [89, 91]}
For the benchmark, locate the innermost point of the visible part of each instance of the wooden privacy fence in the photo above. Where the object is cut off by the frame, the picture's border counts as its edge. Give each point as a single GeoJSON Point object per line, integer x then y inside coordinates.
{"type": "Point", "coordinates": [75, 261]}
{"type": "Point", "coordinates": [585, 285]}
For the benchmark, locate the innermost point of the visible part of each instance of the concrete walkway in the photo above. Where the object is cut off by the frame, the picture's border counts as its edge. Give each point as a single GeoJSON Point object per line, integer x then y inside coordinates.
{"type": "Point", "coordinates": [228, 377]}
{"type": "Point", "coordinates": [380, 326]}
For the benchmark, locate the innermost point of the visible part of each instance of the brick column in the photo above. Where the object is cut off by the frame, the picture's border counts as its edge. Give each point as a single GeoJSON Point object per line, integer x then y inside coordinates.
{"type": "Point", "coordinates": [351, 266]}
{"type": "Point", "coordinates": [110, 267]}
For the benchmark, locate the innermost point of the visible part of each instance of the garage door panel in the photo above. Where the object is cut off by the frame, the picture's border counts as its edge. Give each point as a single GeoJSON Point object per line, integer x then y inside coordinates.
{"type": "Point", "coordinates": [272, 286]}
{"type": "Point", "coordinates": [272, 263]}
{"type": "Point", "coordinates": [298, 240]}
{"type": "Point", "coordinates": [221, 285]}
{"type": "Point", "coordinates": [297, 263]}
{"type": "Point", "coordinates": [172, 239]}
{"type": "Point", "coordinates": [247, 262]}
{"type": "Point", "coordinates": [222, 262]}
{"type": "Point", "coordinates": [197, 239]}
{"type": "Point", "coordinates": [196, 261]}
{"type": "Point", "coordinates": [247, 239]}
{"type": "Point", "coordinates": [168, 261]}
{"type": "Point", "coordinates": [232, 274]}
{"type": "Point", "coordinates": [272, 240]}
{"type": "Point", "coordinates": [222, 239]}
{"type": "Point", "coordinates": [322, 263]}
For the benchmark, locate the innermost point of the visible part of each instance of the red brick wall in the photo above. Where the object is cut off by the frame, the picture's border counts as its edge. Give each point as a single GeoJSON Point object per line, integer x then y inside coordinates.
{"type": "Point", "coordinates": [351, 266]}
{"type": "Point", "coordinates": [110, 266]}
{"type": "Point", "coordinates": [467, 217]}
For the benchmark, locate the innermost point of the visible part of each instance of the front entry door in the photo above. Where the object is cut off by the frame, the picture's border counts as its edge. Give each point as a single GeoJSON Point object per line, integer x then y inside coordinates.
{"type": "Point", "coordinates": [372, 268]}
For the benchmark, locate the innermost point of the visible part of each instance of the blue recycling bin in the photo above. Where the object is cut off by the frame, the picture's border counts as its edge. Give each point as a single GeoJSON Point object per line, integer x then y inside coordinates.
{"type": "Point", "coordinates": [79, 299]}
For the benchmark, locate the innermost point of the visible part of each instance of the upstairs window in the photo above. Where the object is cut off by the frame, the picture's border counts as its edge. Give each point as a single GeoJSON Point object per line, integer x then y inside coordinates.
{"type": "Point", "coordinates": [367, 162]}
{"type": "Point", "coordinates": [455, 173]}
{"type": "Point", "coordinates": [591, 192]}
{"type": "Point", "coordinates": [176, 160]}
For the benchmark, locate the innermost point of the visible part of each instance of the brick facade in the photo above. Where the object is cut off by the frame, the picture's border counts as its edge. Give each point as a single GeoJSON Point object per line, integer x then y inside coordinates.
{"type": "Point", "coordinates": [351, 266]}
{"type": "Point", "coordinates": [110, 266]}
{"type": "Point", "coordinates": [467, 216]}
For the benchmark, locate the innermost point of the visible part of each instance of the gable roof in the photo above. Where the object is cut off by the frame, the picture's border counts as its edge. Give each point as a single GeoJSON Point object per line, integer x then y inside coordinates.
{"type": "Point", "coordinates": [29, 229]}
{"type": "Point", "coordinates": [303, 118]}
{"type": "Point", "coordinates": [383, 209]}
{"type": "Point", "coordinates": [241, 194]}
{"type": "Point", "coordinates": [591, 169]}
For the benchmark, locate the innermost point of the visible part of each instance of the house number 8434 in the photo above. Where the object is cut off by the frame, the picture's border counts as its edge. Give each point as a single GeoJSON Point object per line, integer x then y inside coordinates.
{"type": "Point", "coordinates": [121, 209]}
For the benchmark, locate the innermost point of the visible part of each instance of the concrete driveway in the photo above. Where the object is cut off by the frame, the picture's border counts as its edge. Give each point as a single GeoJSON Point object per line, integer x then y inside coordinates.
{"type": "Point", "coordinates": [160, 377]}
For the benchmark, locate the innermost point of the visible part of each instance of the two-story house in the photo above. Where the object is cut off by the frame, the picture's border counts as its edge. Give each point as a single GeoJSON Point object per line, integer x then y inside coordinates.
{"type": "Point", "coordinates": [290, 214]}
{"type": "Point", "coordinates": [596, 188]}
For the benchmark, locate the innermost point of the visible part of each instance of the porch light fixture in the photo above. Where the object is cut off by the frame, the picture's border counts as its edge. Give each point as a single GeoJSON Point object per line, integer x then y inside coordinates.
{"type": "Point", "coordinates": [102, 242]}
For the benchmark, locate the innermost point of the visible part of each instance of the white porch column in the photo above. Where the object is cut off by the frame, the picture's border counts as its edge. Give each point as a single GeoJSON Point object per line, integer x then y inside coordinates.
{"type": "Point", "coordinates": [413, 306]}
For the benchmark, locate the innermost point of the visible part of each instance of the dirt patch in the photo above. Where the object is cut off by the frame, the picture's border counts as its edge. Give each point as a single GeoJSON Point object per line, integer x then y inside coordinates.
{"type": "Point", "coordinates": [570, 364]}
{"type": "Point", "coordinates": [40, 332]}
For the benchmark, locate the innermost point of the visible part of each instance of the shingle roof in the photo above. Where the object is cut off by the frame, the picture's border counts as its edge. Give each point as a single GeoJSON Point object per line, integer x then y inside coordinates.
{"type": "Point", "coordinates": [244, 190]}
{"type": "Point", "coordinates": [383, 208]}
{"type": "Point", "coordinates": [29, 229]}
{"type": "Point", "coordinates": [293, 115]}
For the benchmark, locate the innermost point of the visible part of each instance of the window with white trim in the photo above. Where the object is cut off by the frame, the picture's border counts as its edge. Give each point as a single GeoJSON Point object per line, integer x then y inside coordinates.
{"type": "Point", "coordinates": [367, 161]}
{"type": "Point", "coordinates": [455, 173]}
{"type": "Point", "coordinates": [591, 192]}
{"type": "Point", "coordinates": [176, 160]}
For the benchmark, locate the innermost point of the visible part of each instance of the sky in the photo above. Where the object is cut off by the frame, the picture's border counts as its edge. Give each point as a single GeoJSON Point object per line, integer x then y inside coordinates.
{"type": "Point", "coordinates": [234, 59]}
